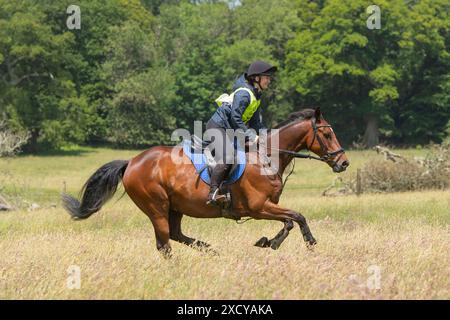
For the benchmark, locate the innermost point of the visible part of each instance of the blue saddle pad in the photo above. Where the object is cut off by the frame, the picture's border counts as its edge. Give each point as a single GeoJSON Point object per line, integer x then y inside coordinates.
{"type": "Point", "coordinates": [200, 164]}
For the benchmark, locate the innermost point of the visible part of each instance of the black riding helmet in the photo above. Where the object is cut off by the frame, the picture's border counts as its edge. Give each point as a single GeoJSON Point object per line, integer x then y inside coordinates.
{"type": "Point", "coordinates": [260, 68]}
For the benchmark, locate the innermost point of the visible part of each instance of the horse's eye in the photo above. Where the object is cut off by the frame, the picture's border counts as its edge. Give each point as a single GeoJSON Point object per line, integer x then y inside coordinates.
{"type": "Point", "coordinates": [327, 136]}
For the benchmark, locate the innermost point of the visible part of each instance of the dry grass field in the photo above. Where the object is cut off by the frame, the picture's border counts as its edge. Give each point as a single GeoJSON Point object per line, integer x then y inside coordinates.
{"type": "Point", "coordinates": [376, 246]}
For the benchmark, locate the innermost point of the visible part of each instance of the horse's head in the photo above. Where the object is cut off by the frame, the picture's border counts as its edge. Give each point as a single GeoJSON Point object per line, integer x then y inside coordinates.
{"type": "Point", "coordinates": [322, 141]}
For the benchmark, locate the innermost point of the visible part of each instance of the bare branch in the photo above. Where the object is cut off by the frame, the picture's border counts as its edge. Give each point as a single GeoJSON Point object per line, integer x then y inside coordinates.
{"type": "Point", "coordinates": [10, 142]}
{"type": "Point", "coordinates": [16, 81]}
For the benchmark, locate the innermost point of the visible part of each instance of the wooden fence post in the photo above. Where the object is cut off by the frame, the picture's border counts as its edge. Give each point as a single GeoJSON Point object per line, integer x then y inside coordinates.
{"type": "Point", "coordinates": [358, 182]}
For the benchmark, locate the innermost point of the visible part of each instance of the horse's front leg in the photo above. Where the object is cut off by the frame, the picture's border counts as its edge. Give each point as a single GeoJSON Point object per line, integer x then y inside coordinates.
{"type": "Point", "coordinates": [272, 211]}
{"type": "Point", "coordinates": [276, 242]}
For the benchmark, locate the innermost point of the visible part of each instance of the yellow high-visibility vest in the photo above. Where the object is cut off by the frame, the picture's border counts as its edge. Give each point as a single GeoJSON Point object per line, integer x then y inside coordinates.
{"type": "Point", "coordinates": [251, 108]}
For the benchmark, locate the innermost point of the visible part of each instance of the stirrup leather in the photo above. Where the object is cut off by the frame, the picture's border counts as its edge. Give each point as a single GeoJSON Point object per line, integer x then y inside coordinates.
{"type": "Point", "coordinates": [216, 197]}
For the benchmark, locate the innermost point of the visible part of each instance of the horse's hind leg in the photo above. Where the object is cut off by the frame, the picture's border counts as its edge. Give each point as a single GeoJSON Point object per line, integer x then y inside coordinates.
{"type": "Point", "coordinates": [161, 226]}
{"type": "Point", "coordinates": [177, 235]}
{"type": "Point", "coordinates": [276, 242]}
{"type": "Point", "coordinates": [157, 209]}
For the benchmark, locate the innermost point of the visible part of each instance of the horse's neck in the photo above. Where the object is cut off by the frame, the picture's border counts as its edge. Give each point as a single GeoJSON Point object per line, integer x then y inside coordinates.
{"type": "Point", "coordinates": [292, 138]}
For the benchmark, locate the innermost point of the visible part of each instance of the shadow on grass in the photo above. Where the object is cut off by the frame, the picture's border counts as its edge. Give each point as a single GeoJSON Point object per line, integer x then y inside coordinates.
{"type": "Point", "coordinates": [75, 150]}
{"type": "Point", "coordinates": [58, 153]}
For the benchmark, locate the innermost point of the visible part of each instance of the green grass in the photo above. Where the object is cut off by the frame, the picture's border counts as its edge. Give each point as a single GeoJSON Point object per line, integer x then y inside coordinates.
{"type": "Point", "coordinates": [406, 234]}
{"type": "Point", "coordinates": [44, 177]}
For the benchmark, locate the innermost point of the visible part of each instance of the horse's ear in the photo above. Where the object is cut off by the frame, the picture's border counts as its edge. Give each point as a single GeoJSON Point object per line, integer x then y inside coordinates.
{"type": "Point", "coordinates": [317, 114]}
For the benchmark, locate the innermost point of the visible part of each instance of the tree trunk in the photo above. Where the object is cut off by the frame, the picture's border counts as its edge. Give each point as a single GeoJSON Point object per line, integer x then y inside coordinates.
{"type": "Point", "coordinates": [32, 145]}
{"type": "Point", "coordinates": [371, 136]}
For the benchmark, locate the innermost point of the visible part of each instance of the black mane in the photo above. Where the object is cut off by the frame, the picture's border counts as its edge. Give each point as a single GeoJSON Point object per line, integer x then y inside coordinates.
{"type": "Point", "coordinates": [304, 114]}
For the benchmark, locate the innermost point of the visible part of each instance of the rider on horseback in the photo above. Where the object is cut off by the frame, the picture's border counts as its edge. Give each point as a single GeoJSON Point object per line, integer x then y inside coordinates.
{"type": "Point", "coordinates": [242, 113]}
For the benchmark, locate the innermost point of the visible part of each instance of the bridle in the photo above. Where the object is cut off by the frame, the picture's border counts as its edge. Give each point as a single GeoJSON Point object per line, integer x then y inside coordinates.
{"type": "Point", "coordinates": [326, 157]}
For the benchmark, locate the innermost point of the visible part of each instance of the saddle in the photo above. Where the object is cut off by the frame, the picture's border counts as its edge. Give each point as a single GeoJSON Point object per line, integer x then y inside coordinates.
{"type": "Point", "coordinates": [203, 160]}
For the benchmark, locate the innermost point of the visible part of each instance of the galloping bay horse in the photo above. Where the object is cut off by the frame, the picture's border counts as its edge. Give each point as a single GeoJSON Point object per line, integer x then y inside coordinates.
{"type": "Point", "coordinates": [165, 191]}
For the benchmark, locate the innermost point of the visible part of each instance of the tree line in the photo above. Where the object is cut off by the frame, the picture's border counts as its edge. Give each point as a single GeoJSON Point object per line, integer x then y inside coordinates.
{"type": "Point", "coordinates": [137, 70]}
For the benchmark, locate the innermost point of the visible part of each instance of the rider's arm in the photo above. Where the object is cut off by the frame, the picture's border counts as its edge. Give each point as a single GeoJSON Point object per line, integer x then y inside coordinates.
{"type": "Point", "coordinates": [255, 121]}
{"type": "Point", "coordinates": [240, 102]}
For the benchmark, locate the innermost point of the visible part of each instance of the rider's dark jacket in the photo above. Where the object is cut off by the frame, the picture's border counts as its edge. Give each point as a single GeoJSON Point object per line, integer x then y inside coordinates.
{"type": "Point", "coordinates": [230, 116]}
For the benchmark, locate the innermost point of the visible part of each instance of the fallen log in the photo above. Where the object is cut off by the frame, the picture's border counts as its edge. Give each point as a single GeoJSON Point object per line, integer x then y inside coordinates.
{"type": "Point", "coordinates": [5, 208]}
{"type": "Point", "coordinates": [4, 205]}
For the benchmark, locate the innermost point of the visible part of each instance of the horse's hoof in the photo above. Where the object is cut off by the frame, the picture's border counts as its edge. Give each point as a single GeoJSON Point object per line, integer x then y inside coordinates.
{"type": "Point", "coordinates": [263, 242]}
{"type": "Point", "coordinates": [274, 245]}
{"type": "Point", "coordinates": [311, 243]}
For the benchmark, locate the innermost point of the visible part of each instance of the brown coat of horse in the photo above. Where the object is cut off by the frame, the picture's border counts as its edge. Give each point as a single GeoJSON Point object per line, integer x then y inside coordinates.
{"type": "Point", "coordinates": [165, 190]}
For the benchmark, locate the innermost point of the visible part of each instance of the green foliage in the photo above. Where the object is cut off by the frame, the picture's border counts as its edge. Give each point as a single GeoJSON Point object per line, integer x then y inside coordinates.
{"type": "Point", "coordinates": [130, 50]}
{"type": "Point", "coordinates": [142, 105]}
{"type": "Point", "coordinates": [396, 74]}
{"type": "Point", "coordinates": [142, 109]}
{"type": "Point", "coordinates": [34, 61]}
{"type": "Point", "coordinates": [84, 86]}
{"type": "Point", "coordinates": [191, 36]}
{"type": "Point", "coordinates": [72, 125]}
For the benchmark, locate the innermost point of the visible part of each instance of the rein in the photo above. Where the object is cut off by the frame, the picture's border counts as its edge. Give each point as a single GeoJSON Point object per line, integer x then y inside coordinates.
{"type": "Point", "coordinates": [327, 155]}
{"type": "Point", "coordinates": [299, 155]}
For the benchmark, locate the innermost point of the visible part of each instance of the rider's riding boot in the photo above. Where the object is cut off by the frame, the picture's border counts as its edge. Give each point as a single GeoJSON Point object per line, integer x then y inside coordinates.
{"type": "Point", "coordinates": [217, 176]}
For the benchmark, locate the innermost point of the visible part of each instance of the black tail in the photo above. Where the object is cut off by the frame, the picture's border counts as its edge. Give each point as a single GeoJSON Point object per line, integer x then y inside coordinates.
{"type": "Point", "coordinates": [99, 188]}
